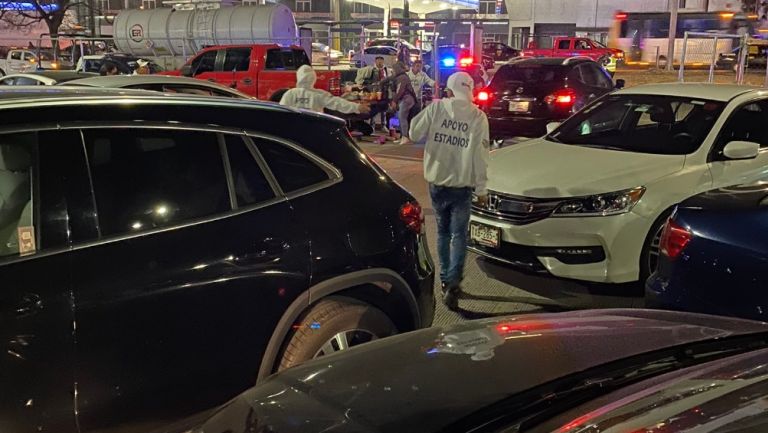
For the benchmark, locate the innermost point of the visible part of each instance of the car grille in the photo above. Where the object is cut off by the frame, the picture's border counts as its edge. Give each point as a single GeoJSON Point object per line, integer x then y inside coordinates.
{"type": "Point", "coordinates": [515, 209]}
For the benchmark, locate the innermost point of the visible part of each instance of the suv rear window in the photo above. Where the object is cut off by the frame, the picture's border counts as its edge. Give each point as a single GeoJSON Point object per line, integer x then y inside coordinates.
{"type": "Point", "coordinates": [292, 170]}
{"type": "Point", "coordinates": [527, 74]}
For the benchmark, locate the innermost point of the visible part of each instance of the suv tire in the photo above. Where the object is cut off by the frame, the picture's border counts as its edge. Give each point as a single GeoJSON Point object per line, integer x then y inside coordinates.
{"type": "Point", "coordinates": [325, 323]}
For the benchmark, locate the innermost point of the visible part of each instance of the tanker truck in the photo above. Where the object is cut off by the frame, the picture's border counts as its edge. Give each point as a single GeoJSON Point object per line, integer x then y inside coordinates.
{"type": "Point", "coordinates": [170, 37]}
{"type": "Point", "coordinates": [249, 48]}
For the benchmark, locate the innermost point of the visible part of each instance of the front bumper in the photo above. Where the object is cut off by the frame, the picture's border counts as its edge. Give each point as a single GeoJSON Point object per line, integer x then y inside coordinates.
{"type": "Point", "coordinates": [600, 249]}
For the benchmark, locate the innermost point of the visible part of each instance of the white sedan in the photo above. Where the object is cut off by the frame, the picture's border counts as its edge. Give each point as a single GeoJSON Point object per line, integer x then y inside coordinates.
{"type": "Point", "coordinates": [588, 200]}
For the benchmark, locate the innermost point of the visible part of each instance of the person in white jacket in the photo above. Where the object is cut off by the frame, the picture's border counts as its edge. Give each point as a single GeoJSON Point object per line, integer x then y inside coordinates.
{"type": "Point", "coordinates": [307, 97]}
{"type": "Point", "coordinates": [456, 157]}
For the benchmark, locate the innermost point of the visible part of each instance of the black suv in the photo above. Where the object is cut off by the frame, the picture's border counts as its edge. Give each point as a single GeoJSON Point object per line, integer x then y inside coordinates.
{"type": "Point", "coordinates": [526, 94]}
{"type": "Point", "coordinates": [160, 254]}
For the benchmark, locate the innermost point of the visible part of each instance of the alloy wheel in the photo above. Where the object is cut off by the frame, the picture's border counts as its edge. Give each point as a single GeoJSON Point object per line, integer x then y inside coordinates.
{"type": "Point", "coordinates": [345, 340]}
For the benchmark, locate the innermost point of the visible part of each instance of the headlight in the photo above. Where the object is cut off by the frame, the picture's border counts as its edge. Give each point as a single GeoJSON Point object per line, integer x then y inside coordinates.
{"type": "Point", "coordinates": [612, 203]}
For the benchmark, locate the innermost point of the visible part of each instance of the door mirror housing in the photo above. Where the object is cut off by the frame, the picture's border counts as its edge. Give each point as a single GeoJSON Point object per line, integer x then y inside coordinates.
{"type": "Point", "coordinates": [186, 71]}
{"type": "Point", "coordinates": [551, 126]}
{"type": "Point", "coordinates": [741, 150]}
{"type": "Point", "coordinates": [620, 83]}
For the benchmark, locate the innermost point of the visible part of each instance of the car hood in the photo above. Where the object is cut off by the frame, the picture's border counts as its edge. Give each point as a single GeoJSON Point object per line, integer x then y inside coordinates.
{"type": "Point", "coordinates": [544, 169]}
{"type": "Point", "coordinates": [425, 380]}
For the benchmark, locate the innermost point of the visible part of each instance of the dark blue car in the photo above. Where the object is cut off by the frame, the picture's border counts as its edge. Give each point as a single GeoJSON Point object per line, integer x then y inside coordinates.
{"type": "Point", "coordinates": [714, 255]}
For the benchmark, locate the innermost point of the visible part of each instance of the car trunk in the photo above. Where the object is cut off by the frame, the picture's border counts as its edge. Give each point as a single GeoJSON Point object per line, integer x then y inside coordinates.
{"type": "Point", "coordinates": [516, 98]}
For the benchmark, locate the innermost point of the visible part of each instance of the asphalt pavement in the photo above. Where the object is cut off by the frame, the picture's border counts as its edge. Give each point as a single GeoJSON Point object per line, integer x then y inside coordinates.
{"type": "Point", "coordinates": [492, 289]}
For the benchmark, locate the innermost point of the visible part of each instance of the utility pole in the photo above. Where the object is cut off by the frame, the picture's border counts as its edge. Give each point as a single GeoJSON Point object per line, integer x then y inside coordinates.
{"type": "Point", "coordinates": [406, 15]}
{"type": "Point", "coordinates": [672, 34]}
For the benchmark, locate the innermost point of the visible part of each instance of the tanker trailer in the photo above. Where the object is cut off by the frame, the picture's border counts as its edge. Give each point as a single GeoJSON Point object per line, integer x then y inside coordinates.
{"type": "Point", "coordinates": [166, 32]}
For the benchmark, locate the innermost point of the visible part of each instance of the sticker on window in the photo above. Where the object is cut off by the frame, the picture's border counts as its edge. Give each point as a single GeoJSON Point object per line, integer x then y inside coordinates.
{"type": "Point", "coordinates": [585, 128]}
{"type": "Point", "coordinates": [26, 240]}
{"type": "Point", "coordinates": [642, 108]}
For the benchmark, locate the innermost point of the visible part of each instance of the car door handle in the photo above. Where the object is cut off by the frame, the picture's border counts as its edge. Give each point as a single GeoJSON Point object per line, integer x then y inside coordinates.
{"type": "Point", "coordinates": [247, 81]}
{"type": "Point", "coordinates": [30, 304]}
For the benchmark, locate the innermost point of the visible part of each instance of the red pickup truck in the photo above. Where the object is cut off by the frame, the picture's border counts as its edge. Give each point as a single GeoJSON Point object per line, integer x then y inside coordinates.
{"type": "Point", "coordinates": [257, 70]}
{"type": "Point", "coordinates": [572, 47]}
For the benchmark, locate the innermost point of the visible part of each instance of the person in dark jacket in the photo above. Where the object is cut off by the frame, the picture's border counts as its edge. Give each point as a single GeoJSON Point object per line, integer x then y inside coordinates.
{"type": "Point", "coordinates": [404, 99]}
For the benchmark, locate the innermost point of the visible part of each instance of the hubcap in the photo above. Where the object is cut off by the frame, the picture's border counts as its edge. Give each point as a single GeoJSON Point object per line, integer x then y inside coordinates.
{"type": "Point", "coordinates": [345, 340]}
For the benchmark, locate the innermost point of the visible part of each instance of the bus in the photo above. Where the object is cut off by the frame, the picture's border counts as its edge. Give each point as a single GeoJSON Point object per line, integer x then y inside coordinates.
{"type": "Point", "coordinates": [645, 35]}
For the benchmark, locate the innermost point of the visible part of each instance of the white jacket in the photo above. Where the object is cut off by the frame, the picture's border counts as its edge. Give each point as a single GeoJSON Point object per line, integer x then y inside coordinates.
{"type": "Point", "coordinates": [419, 80]}
{"type": "Point", "coordinates": [307, 97]}
{"type": "Point", "coordinates": [457, 151]}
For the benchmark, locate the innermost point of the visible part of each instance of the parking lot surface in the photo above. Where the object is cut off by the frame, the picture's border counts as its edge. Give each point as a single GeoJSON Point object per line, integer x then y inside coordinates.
{"type": "Point", "coordinates": [492, 289]}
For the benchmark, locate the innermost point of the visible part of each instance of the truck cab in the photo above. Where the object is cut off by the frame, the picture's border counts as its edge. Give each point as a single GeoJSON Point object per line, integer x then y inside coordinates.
{"type": "Point", "coordinates": [259, 70]}
{"type": "Point", "coordinates": [22, 60]}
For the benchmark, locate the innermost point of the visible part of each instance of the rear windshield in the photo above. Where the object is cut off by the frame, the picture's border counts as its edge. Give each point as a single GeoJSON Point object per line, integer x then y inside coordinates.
{"type": "Point", "coordinates": [526, 74]}
{"type": "Point", "coordinates": [664, 125]}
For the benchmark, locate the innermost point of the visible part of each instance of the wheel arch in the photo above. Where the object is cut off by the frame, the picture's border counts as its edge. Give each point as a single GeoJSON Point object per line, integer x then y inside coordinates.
{"type": "Point", "coordinates": [380, 287]}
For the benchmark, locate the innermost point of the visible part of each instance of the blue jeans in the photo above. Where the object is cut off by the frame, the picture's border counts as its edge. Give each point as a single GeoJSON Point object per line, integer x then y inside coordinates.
{"type": "Point", "coordinates": [452, 206]}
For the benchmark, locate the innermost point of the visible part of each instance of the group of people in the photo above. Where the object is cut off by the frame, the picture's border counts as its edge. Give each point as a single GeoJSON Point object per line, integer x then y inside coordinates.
{"type": "Point", "coordinates": [400, 88]}
{"type": "Point", "coordinates": [456, 152]}
{"type": "Point", "coordinates": [110, 68]}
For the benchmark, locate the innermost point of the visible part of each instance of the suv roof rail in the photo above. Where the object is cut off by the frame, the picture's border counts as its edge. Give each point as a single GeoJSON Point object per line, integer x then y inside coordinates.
{"type": "Point", "coordinates": [567, 61]}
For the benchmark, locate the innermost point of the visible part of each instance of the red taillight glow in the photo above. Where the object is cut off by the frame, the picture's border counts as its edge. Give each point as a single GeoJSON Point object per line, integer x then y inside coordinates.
{"type": "Point", "coordinates": [465, 61]}
{"type": "Point", "coordinates": [564, 97]}
{"type": "Point", "coordinates": [483, 96]}
{"type": "Point", "coordinates": [410, 214]}
{"type": "Point", "coordinates": [621, 16]}
{"type": "Point", "coordinates": [674, 239]}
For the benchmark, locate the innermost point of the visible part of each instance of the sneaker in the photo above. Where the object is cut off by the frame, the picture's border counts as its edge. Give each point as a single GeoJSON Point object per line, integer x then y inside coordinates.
{"type": "Point", "coordinates": [404, 141]}
{"type": "Point", "coordinates": [451, 296]}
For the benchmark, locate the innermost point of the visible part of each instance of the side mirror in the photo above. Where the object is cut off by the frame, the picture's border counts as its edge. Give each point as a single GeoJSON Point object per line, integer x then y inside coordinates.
{"type": "Point", "coordinates": [551, 126]}
{"type": "Point", "coordinates": [620, 83]}
{"type": "Point", "coordinates": [186, 71]}
{"type": "Point", "coordinates": [741, 150]}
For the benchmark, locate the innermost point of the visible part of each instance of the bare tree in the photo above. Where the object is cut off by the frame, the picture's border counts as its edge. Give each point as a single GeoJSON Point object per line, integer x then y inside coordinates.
{"type": "Point", "coordinates": [52, 12]}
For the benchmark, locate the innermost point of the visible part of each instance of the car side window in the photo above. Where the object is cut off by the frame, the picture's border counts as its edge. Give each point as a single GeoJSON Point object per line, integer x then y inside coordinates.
{"type": "Point", "coordinates": [24, 81]}
{"type": "Point", "coordinates": [274, 59]}
{"type": "Point", "coordinates": [564, 44]}
{"type": "Point", "coordinates": [250, 184]}
{"type": "Point", "coordinates": [15, 55]}
{"type": "Point", "coordinates": [600, 76]}
{"type": "Point", "coordinates": [575, 75]}
{"type": "Point", "coordinates": [150, 178]}
{"type": "Point", "coordinates": [292, 170]}
{"type": "Point", "coordinates": [17, 168]}
{"type": "Point", "coordinates": [8, 81]}
{"type": "Point", "coordinates": [33, 178]}
{"type": "Point", "coordinates": [206, 62]}
{"type": "Point", "coordinates": [29, 57]}
{"type": "Point", "coordinates": [588, 75]}
{"type": "Point", "coordinates": [747, 123]}
{"type": "Point", "coordinates": [237, 59]}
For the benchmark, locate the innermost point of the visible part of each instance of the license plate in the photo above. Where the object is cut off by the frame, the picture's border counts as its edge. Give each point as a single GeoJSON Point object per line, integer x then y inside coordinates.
{"type": "Point", "coordinates": [519, 106]}
{"type": "Point", "coordinates": [485, 235]}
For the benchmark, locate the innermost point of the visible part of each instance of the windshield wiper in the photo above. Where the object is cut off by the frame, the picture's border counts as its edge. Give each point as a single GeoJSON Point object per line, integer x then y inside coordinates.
{"type": "Point", "coordinates": [552, 137]}
{"type": "Point", "coordinates": [527, 409]}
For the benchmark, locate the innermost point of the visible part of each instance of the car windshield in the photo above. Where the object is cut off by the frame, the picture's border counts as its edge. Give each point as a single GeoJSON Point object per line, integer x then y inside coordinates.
{"type": "Point", "coordinates": [530, 73]}
{"type": "Point", "coordinates": [664, 125]}
{"type": "Point", "coordinates": [598, 44]}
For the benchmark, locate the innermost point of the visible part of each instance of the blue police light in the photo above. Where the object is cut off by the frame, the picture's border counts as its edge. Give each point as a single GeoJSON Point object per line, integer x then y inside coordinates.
{"type": "Point", "coordinates": [449, 62]}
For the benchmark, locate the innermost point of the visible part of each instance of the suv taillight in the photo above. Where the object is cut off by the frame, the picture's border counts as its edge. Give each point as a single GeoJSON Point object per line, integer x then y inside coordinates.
{"type": "Point", "coordinates": [674, 239]}
{"type": "Point", "coordinates": [565, 97]}
{"type": "Point", "coordinates": [334, 86]}
{"type": "Point", "coordinates": [410, 214]}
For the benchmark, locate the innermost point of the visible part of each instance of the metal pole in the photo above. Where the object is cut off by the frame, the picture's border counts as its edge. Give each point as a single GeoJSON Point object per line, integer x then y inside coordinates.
{"type": "Point", "coordinates": [672, 35]}
{"type": "Point", "coordinates": [742, 60]}
{"type": "Point", "coordinates": [658, 48]}
{"type": "Point", "coordinates": [597, 4]}
{"type": "Point", "coordinates": [330, 42]}
{"type": "Point", "coordinates": [682, 59]}
{"type": "Point", "coordinates": [406, 15]}
{"type": "Point", "coordinates": [713, 61]}
{"type": "Point", "coordinates": [435, 63]}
